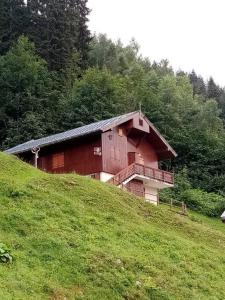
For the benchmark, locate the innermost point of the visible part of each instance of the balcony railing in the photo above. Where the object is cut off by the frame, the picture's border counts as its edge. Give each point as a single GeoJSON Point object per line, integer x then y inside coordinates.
{"type": "Point", "coordinates": [139, 169]}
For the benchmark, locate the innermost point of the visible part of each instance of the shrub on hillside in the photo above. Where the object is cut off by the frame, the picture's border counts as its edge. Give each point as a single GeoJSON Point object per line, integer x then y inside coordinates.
{"type": "Point", "coordinates": [5, 256]}
{"type": "Point", "coordinates": [210, 204]}
{"type": "Point", "coordinates": [181, 184]}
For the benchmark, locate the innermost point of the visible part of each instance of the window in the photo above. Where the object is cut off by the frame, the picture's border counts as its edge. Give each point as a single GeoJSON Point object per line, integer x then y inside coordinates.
{"type": "Point", "coordinates": [140, 122]}
{"type": "Point", "coordinates": [110, 137]}
{"type": "Point", "coordinates": [120, 131]}
{"type": "Point", "coordinates": [58, 160]}
{"type": "Point", "coordinates": [98, 151]}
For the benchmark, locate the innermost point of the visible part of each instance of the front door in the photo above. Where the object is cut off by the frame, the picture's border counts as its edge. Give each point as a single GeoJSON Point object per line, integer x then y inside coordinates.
{"type": "Point", "coordinates": [135, 157]}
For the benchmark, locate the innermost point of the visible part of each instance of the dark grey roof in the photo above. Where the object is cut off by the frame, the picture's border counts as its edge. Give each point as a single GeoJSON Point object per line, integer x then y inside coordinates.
{"type": "Point", "coordinates": [70, 134]}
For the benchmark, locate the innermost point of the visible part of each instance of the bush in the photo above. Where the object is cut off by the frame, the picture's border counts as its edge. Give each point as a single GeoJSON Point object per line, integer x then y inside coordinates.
{"type": "Point", "coordinates": [210, 204]}
{"type": "Point", "coordinates": [5, 256]}
{"type": "Point", "coordinates": [181, 184]}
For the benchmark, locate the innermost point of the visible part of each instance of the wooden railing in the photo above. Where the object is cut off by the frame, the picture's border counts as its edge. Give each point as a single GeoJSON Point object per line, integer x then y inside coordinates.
{"type": "Point", "coordinates": [144, 171]}
{"type": "Point", "coordinates": [123, 175]}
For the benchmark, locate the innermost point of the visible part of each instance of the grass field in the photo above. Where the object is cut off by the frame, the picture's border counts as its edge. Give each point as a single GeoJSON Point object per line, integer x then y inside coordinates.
{"type": "Point", "coordinates": [75, 238]}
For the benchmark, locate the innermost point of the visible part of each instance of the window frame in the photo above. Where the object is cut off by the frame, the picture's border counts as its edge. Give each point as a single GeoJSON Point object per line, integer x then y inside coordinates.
{"type": "Point", "coordinates": [58, 160]}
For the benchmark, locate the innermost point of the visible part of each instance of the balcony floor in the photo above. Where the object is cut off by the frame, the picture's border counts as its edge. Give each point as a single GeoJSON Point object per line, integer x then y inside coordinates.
{"type": "Point", "coordinates": [151, 182]}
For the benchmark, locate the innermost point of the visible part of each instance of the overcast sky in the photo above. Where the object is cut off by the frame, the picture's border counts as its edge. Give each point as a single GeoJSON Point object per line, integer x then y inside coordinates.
{"type": "Point", "coordinates": [189, 33]}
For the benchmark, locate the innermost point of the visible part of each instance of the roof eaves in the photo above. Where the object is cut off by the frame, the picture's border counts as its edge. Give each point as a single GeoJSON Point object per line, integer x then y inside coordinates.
{"type": "Point", "coordinates": [122, 120]}
{"type": "Point", "coordinates": [42, 145]}
{"type": "Point", "coordinates": [160, 136]}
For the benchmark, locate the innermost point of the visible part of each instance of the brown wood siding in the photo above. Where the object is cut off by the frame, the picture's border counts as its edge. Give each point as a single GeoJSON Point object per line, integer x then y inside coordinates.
{"type": "Point", "coordinates": [120, 151]}
{"type": "Point", "coordinates": [145, 149]}
{"type": "Point", "coordinates": [114, 150]}
{"type": "Point", "coordinates": [79, 156]}
{"type": "Point", "coordinates": [136, 187]}
{"type": "Point", "coordinates": [127, 143]}
{"type": "Point", "coordinates": [137, 124]}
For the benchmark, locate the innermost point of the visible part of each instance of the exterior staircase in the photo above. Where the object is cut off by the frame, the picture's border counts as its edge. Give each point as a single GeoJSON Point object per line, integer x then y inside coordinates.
{"type": "Point", "coordinates": [136, 170]}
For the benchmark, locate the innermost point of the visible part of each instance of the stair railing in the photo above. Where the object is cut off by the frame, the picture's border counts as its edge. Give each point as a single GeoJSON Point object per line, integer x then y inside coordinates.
{"type": "Point", "coordinates": [140, 169]}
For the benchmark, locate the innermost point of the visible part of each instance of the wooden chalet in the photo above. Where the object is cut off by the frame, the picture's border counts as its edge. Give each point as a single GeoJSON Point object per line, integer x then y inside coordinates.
{"type": "Point", "coordinates": [124, 151]}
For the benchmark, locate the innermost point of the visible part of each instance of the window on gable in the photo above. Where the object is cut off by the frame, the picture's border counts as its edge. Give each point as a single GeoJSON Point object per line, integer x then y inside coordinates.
{"type": "Point", "coordinates": [140, 122]}
{"type": "Point", "coordinates": [58, 160]}
{"type": "Point", "coordinates": [120, 131]}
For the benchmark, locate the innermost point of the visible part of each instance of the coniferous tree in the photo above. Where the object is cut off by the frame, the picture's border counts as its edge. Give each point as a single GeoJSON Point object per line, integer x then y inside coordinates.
{"type": "Point", "coordinates": [59, 29]}
{"type": "Point", "coordinates": [213, 90]}
{"type": "Point", "coordinates": [198, 84]}
{"type": "Point", "coordinates": [28, 96]}
{"type": "Point", "coordinates": [13, 21]}
{"type": "Point", "coordinates": [84, 36]}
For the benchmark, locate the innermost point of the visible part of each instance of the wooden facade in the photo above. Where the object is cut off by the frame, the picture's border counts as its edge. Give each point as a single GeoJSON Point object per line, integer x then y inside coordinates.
{"type": "Point", "coordinates": [78, 156]}
{"type": "Point", "coordinates": [131, 142]}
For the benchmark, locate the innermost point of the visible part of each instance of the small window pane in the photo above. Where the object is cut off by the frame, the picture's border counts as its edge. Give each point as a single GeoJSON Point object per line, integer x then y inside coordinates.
{"type": "Point", "coordinates": [140, 122]}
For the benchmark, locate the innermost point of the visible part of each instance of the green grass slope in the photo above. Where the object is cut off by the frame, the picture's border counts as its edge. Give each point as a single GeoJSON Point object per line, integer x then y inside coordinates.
{"type": "Point", "coordinates": [75, 238]}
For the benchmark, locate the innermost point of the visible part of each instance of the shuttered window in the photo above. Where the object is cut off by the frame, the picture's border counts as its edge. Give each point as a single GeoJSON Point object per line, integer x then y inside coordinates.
{"type": "Point", "coordinates": [58, 160]}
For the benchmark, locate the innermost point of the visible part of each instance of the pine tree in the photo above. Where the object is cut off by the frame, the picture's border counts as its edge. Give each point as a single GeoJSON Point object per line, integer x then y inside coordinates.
{"type": "Point", "coordinates": [198, 84]}
{"type": "Point", "coordinates": [84, 36]}
{"type": "Point", "coordinates": [213, 90]}
{"type": "Point", "coordinates": [28, 95]}
{"type": "Point", "coordinates": [13, 21]}
{"type": "Point", "coordinates": [58, 29]}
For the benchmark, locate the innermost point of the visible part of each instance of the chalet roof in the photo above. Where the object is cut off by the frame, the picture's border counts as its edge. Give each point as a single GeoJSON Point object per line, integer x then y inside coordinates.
{"type": "Point", "coordinates": [70, 134]}
{"type": "Point", "coordinates": [96, 127]}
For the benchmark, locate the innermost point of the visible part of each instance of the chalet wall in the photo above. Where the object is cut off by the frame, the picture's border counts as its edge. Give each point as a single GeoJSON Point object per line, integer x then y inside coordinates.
{"type": "Point", "coordinates": [123, 142]}
{"type": "Point", "coordinates": [140, 123]}
{"type": "Point", "coordinates": [79, 156]}
{"type": "Point", "coordinates": [104, 177]}
{"type": "Point", "coordinates": [148, 153]}
{"type": "Point", "coordinates": [151, 194]}
{"type": "Point", "coordinates": [136, 187]}
{"type": "Point", "coordinates": [114, 150]}
{"type": "Point", "coordinates": [121, 146]}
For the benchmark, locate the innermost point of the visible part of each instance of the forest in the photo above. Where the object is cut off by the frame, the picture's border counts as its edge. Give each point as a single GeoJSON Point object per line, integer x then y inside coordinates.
{"type": "Point", "coordinates": [55, 76]}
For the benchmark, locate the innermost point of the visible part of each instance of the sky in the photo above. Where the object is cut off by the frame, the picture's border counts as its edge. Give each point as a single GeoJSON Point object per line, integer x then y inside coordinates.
{"type": "Point", "coordinates": [189, 33]}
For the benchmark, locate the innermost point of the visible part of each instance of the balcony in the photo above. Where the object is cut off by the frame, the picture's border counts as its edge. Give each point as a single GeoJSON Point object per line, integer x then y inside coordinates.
{"type": "Point", "coordinates": [153, 177]}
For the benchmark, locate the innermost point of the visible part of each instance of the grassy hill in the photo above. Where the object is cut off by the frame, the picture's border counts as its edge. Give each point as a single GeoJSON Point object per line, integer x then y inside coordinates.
{"type": "Point", "coordinates": [75, 238]}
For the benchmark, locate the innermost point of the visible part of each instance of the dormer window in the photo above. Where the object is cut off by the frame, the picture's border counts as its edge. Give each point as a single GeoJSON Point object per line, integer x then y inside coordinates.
{"type": "Point", "coordinates": [140, 122]}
